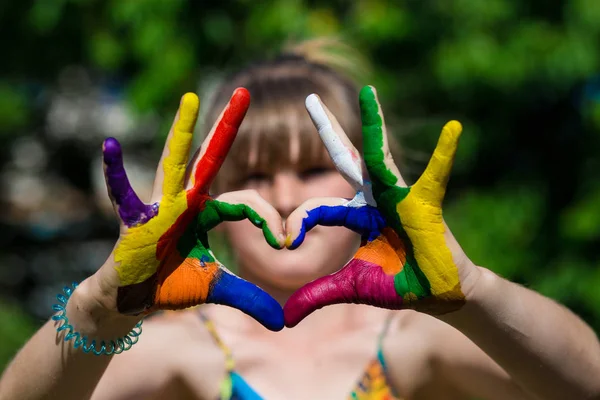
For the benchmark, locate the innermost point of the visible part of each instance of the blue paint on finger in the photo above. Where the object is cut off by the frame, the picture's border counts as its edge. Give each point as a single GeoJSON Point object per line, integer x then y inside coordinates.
{"type": "Point", "coordinates": [365, 220]}
{"type": "Point", "coordinates": [235, 292]}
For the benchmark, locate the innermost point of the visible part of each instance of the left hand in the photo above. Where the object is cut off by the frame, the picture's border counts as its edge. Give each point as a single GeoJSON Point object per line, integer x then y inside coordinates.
{"type": "Point", "coordinates": [163, 260]}
{"type": "Point", "coordinates": [408, 258]}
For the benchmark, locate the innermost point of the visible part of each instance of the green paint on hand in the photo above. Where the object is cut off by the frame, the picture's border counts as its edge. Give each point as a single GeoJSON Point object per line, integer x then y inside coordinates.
{"type": "Point", "coordinates": [193, 244]}
{"type": "Point", "coordinates": [387, 195]}
{"type": "Point", "coordinates": [218, 211]}
{"type": "Point", "coordinates": [412, 280]}
{"type": "Point", "coordinates": [372, 128]}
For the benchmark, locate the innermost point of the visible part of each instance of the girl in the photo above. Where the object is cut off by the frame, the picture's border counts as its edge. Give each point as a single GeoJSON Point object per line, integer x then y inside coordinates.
{"type": "Point", "coordinates": [489, 338]}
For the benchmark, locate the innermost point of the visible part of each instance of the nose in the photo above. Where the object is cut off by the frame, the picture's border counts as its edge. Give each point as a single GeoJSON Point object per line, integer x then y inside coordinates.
{"type": "Point", "coordinates": [286, 194]}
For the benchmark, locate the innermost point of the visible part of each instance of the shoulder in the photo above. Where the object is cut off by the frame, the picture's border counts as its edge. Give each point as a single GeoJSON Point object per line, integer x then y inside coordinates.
{"type": "Point", "coordinates": [412, 349]}
{"type": "Point", "coordinates": [412, 335]}
{"type": "Point", "coordinates": [413, 325]}
{"type": "Point", "coordinates": [428, 338]}
{"type": "Point", "coordinates": [172, 345]}
{"type": "Point", "coordinates": [426, 354]}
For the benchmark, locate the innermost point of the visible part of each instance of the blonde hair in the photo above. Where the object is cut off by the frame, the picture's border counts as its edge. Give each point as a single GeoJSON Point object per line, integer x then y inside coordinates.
{"type": "Point", "coordinates": [278, 88]}
{"type": "Point", "coordinates": [335, 55]}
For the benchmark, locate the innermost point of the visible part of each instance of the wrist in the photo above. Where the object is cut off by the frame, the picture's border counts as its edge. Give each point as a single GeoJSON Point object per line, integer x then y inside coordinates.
{"type": "Point", "coordinates": [93, 312]}
{"type": "Point", "coordinates": [480, 286]}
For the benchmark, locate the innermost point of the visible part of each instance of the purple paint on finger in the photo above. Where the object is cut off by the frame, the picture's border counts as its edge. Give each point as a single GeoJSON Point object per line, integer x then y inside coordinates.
{"type": "Point", "coordinates": [359, 282]}
{"type": "Point", "coordinates": [131, 209]}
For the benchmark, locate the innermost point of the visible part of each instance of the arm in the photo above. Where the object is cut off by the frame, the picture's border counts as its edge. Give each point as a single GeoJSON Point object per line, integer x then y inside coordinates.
{"type": "Point", "coordinates": [443, 362]}
{"type": "Point", "coordinates": [49, 368]}
{"type": "Point", "coordinates": [162, 260]}
{"type": "Point", "coordinates": [176, 359]}
{"type": "Point", "coordinates": [542, 345]}
{"type": "Point", "coordinates": [409, 259]}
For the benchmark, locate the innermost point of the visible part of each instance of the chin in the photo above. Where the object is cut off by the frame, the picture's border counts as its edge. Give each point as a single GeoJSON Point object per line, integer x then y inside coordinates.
{"type": "Point", "coordinates": [290, 270]}
{"type": "Point", "coordinates": [295, 278]}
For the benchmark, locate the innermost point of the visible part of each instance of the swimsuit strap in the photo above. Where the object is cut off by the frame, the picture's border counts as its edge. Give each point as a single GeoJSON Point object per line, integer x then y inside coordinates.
{"type": "Point", "coordinates": [374, 383]}
{"type": "Point", "coordinates": [212, 330]}
{"type": "Point", "coordinates": [384, 331]}
{"type": "Point", "coordinates": [227, 384]}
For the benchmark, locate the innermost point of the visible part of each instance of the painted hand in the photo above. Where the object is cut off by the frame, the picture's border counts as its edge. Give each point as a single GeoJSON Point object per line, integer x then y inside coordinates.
{"type": "Point", "coordinates": [163, 259]}
{"type": "Point", "coordinates": [407, 258]}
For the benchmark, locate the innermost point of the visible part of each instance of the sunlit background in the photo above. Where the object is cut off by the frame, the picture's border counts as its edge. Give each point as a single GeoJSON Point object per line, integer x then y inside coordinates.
{"type": "Point", "coordinates": [522, 76]}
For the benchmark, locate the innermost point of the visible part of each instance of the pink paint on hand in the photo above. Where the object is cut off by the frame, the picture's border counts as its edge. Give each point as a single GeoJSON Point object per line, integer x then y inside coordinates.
{"type": "Point", "coordinates": [359, 282]}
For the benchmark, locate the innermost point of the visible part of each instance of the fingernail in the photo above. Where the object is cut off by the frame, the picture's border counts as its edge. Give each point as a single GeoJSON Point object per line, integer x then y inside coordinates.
{"type": "Point", "coordinates": [281, 239]}
{"type": "Point", "coordinates": [288, 240]}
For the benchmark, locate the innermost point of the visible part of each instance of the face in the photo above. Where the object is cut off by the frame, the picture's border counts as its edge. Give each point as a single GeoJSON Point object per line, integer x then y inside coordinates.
{"type": "Point", "coordinates": [325, 249]}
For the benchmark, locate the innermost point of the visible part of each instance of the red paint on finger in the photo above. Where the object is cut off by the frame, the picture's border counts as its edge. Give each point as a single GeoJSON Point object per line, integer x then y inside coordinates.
{"type": "Point", "coordinates": [196, 203]}
{"type": "Point", "coordinates": [221, 141]}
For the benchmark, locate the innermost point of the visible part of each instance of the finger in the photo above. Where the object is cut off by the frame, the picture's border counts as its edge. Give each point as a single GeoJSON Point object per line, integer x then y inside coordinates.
{"type": "Point", "coordinates": [126, 202]}
{"type": "Point", "coordinates": [435, 178]}
{"type": "Point", "coordinates": [359, 282]}
{"type": "Point", "coordinates": [230, 290]}
{"type": "Point", "coordinates": [172, 166]}
{"type": "Point", "coordinates": [361, 218]}
{"type": "Point", "coordinates": [376, 152]}
{"type": "Point", "coordinates": [245, 204]}
{"type": "Point", "coordinates": [341, 150]}
{"type": "Point", "coordinates": [218, 142]}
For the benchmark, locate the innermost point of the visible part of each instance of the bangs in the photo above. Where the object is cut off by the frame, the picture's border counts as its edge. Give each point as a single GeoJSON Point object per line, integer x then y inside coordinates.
{"type": "Point", "coordinates": [277, 132]}
{"type": "Point", "coordinates": [277, 137]}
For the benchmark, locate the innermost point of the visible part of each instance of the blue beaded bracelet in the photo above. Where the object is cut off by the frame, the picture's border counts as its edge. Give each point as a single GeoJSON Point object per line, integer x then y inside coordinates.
{"type": "Point", "coordinates": [112, 347]}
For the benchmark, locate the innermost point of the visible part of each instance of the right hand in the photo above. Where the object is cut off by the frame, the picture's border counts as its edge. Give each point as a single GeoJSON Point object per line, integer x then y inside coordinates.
{"type": "Point", "coordinates": [408, 257]}
{"type": "Point", "coordinates": [162, 259]}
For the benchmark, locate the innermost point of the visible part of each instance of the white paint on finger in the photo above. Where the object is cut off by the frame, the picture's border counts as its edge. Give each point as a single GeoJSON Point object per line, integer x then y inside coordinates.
{"type": "Point", "coordinates": [343, 158]}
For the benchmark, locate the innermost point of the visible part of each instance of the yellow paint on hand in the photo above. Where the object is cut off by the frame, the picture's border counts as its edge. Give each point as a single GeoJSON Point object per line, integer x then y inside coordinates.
{"type": "Point", "coordinates": [421, 217]}
{"type": "Point", "coordinates": [136, 251]}
{"type": "Point", "coordinates": [175, 164]}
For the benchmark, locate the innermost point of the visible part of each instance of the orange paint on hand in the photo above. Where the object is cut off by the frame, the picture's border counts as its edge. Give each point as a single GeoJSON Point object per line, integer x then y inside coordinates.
{"type": "Point", "coordinates": [387, 251]}
{"type": "Point", "coordinates": [183, 283]}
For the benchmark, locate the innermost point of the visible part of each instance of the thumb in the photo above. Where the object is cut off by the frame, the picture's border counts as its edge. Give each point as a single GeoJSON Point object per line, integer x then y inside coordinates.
{"type": "Point", "coordinates": [332, 289]}
{"type": "Point", "coordinates": [330, 211]}
{"type": "Point", "coordinates": [230, 290]}
{"type": "Point", "coordinates": [359, 282]}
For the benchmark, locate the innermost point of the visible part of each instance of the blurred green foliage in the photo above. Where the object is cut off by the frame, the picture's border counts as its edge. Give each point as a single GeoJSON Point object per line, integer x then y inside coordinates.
{"type": "Point", "coordinates": [524, 199]}
{"type": "Point", "coordinates": [15, 329]}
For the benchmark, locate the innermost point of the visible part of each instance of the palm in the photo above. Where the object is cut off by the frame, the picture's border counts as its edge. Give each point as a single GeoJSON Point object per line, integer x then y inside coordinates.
{"type": "Point", "coordinates": [404, 260]}
{"type": "Point", "coordinates": [163, 257]}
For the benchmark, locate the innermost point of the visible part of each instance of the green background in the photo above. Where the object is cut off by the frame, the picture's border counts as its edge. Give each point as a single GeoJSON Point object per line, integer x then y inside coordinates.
{"type": "Point", "coordinates": [522, 77]}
